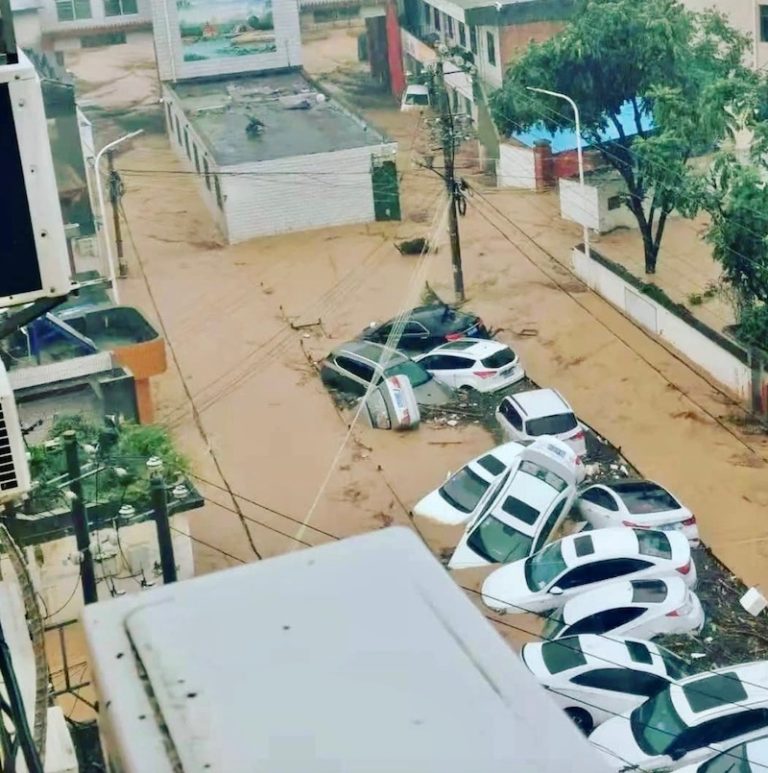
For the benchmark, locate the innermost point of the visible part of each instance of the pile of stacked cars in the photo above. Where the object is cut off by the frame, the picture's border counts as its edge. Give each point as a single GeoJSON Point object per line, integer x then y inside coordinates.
{"type": "Point", "coordinates": [621, 575]}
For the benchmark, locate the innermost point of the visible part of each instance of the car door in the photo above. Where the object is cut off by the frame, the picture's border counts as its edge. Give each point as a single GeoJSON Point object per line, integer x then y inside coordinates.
{"type": "Point", "coordinates": [511, 421]}
{"type": "Point", "coordinates": [599, 506]}
{"type": "Point", "coordinates": [441, 366]}
{"type": "Point", "coordinates": [552, 521]}
{"type": "Point", "coordinates": [415, 337]}
{"type": "Point", "coordinates": [615, 690]}
{"type": "Point", "coordinates": [355, 375]}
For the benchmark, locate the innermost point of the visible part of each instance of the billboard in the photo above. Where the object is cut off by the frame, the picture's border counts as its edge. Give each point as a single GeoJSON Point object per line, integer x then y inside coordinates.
{"type": "Point", "coordinates": [225, 29]}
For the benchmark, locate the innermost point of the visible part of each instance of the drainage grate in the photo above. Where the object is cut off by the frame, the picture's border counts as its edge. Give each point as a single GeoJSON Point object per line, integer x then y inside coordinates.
{"type": "Point", "coordinates": [8, 479]}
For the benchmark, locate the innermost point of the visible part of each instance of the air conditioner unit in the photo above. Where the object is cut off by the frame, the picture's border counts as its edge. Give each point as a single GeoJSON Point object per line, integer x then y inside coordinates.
{"type": "Point", "coordinates": [33, 250]}
{"type": "Point", "coordinates": [14, 469]}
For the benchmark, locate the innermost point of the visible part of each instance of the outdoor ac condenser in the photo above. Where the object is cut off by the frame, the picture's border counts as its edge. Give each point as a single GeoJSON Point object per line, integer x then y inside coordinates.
{"type": "Point", "coordinates": [34, 262]}
{"type": "Point", "coordinates": [14, 469]}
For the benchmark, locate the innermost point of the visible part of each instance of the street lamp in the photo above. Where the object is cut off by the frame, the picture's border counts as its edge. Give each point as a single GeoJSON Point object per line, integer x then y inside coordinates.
{"type": "Point", "coordinates": [102, 213]}
{"type": "Point", "coordinates": [578, 153]}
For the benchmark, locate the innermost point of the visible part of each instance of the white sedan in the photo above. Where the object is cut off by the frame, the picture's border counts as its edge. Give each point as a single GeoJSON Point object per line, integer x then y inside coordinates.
{"type": "Point", "coordinates": [585, 561]}
{"type": "Point", "coordinates": [473, 364]}
{"type": "Point", "coordinates": [531, 503]}
{"type": "Point", "coordinates": [641, 504]}
{"type": "Point", "coordinates": [593, 678]}
{"type": "Point", "coordinates": [465, 492]}
{"type": "Point", "coordinates": [639, 608]}
{"type": "Point", "coordinates": [749, 757]}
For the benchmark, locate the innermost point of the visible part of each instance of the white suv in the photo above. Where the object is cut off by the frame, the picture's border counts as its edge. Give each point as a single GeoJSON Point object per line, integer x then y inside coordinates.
{"type": "Point", "coordinates": [527, 415]}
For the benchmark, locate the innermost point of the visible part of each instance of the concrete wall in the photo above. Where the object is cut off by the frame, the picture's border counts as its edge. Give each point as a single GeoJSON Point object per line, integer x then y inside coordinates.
{"type": "Point", "coordinates": [710, 357]}
{"type": "Point", "coordinates": [516, 167]}
{"type": "Point", "coordinates": [487, 72]}
{"type": "Point", "coordinates": [170, 55]}
{"type": "Point", "coordinates": [595, 208]}
{"type": "Point", "coordinates": [514, 38]}
{"type": "Point", "coordinates": [300, 193]}
{"type": "Point", "coordinates": [98, 21]}
{"type": "Point", "coordinates": [28, 28]}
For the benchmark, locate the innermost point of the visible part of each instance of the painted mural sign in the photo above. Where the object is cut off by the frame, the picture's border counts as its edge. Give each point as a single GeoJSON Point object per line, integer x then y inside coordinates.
{"type": "Point", "coordinates": [222, 29]}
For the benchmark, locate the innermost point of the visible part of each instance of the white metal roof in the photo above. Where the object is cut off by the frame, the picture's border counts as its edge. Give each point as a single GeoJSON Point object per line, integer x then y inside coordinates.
{"type": "Point", "coordinates": [361, 656]}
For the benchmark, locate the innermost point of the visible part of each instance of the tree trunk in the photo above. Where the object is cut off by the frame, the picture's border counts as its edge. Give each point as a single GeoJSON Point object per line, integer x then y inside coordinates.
{"type": "Point", "coordinates": [650, 250]}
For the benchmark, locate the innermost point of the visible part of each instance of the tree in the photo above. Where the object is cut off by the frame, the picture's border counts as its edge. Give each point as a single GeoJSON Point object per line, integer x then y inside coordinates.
{"type": "Point", "coordinates": [674, 71]}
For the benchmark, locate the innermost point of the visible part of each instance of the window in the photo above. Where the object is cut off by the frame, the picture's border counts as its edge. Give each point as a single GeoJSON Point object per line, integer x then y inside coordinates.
{"type": "Point", "coordinates": [178, 129]}
{"type": "Point", "coordinates": [735, 761]}
{"type": "Point", "coordinates": [437, 19]}
{"type": "Point", "coordinates": [551, 425]}
{"type": "Point", "coordinates": [507, 410]}
{"type": "Point", "coordinates": [462, 34]}
{"type": "Point", "coordinates": [197, 158]}
{"type": "Point", "coordinates": [717, 730]}
{"type": "Point", "coordinates": [473, 39]}
{"type": "Point", "coordinates": [614, 202]}
{"type": "Point", "coordinates": [654, 543]}
{"type": "Point", "coordinates": [520, 510]}
{"type": "Point", "coordinates": [170, 116]}
{"type": "Point", "coordinates": [639, 653]}
{"type": "Point", "coordinates": [492, 464]}
{"type": "Point", "coordinates": [713, 691]}
{"type": "Point", "coordinates": [764, 23]}
{"type": "Point", "coordinates": [415, 329]}
{"type": "Point", "coordinates": [642, 496]}
{"type": "Point", "coordinates": [59, 57]}
{"type": "Point", "coordinates": [543, 474]}
{"type": "Point", "coordinates": [550, 524]}
{"type": "Point", "coordinates": [544, 567]}
{"type": "Point", "coordinates": [468, 107]}
{"type": "Point", "coordinates": [427, 15]}
{"type": "Point", "coordinates": [499, 543]}
{"type": "Point", "coordinates": [601, 498]}
{"type": "Point", "coordinates": [71, 10]}
{"type": "Point", "coordinates": [649, 591]}
{"type": "Point", "coordinates": [625, 680]}
{"type": "Point", "coordinates": [455, 107]}
{"type": "Point", "coordinates": [562, 655]}
{"type": "Point", "coordinates": [217, 187]}
{"type": "Point", "coordinates": [449, 25]}
{"type": "Point", "coordinates": [656, 724]}
{"type": "Point", "coordinates": [446, 362]}
{"type": "Point", "coordinates": [605, 621]}
{"type": "Point", "coordinates": [491, 44]}
{"type": "Point", "coordinates": [207, 172]}
{"type": "Point", "coordinates": [464, 490]}
{"type": "Point", "coordinates": [601, 570]}
{"type": "Point", "coordinates": [499, 359]}
{"type": "Point", "coordinates": [186, 143]}
{"type": "Point", "coordinates": [120, 7]}
{"type": "Point", "coordinates": [359, 369]}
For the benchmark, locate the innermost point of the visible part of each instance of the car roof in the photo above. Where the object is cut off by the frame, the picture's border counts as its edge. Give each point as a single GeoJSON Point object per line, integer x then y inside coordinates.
{"type": "Point", "coordinates": [531, 491]}
{"type": "Point", "coordinates": [369, 351]}
{"type": "Point", "coordinates": [416, 88]}
{"type": "Point", "coordinates": [540, 402]}
{"type": "Point", "coordinates": [587, 546]}
{"type": "Point", "coordinates": [737, 686]}
{"type": "Point", "coordinates": [474, 347]}
{"type": "Point", "coordinates": [621, 594]}
{"type": "Point", "coordinates": [505, 453]}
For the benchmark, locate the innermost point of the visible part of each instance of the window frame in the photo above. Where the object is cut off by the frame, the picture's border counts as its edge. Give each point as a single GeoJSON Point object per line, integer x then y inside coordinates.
{"type": "Point", "coordinates": [490, 48]}
{"type": "Point", "coordinates": [763, 23]}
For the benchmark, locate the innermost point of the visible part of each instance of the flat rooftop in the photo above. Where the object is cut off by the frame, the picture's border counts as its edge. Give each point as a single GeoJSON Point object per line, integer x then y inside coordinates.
{"type": "Point", "coordinates": [293, 117]}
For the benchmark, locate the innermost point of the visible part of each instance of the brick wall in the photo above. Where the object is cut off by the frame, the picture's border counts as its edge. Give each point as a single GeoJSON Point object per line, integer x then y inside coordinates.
{"type": "Point", "coordinates": [514, 39]}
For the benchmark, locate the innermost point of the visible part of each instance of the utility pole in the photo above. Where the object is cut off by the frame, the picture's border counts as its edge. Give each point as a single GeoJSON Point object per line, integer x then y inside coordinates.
{"type": "Point", "coordinates": [80, 519]}
{"type": "Point", "coordinates": [448, 135]}
{"type": "Point", "coordinates": [164, 539]}
{"type": "Point", "coordinates": [115, 194]}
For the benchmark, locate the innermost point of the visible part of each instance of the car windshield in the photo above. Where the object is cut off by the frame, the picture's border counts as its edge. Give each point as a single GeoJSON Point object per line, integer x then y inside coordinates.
{"type": "Point", "coordinates": [498, 542]}
{"type": "Point", "coordinates": [562, 655]}
{"type": "Point", "coordinates": [498, 360]}
{"type": "Point", "coordinates": [734, 760]}
{"type": "Point", "coordinates": [555, 623]}
{"type": "Point", "coordinates": [545, 566]}
{"type": "Point", "coordinates": [551, 425]}
{"type": "Point", "coordinates": [464, 490]}
{"type": "Point", "coordinates": [416, 374]}
{"type": "Point", "coordinates": [416, 99]}
{"type": "Point", "coordinates": [656, 724]}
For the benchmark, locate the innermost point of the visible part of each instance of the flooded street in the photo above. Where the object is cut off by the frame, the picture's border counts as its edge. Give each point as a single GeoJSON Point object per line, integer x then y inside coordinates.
{"type": "Point", "coordinates": [244, 325]}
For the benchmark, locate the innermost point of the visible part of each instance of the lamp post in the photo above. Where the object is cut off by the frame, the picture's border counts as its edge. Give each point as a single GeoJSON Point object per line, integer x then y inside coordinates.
{"type": "Point", "coordinates": [102, 213]}
{"type": "Point", "coordinates": [575, 108]}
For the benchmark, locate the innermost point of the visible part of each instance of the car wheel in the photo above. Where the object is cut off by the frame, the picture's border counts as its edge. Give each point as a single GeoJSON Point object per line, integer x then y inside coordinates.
{"type": "Point", "coordinates": [581, 719]}
{"type": "Point", "coordinates": [468, 394]}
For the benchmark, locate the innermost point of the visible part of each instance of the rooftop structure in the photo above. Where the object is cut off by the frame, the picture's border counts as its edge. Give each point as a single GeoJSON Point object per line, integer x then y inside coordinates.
{"type": "Point", "coordinates": [288, 116]}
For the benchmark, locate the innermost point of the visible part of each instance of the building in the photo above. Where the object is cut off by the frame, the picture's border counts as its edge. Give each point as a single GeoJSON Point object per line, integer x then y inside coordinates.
{"type": "Point", "coordinates": [273, 154]}
{"type": "Point", "coordinates": [63, 25]}
{"type": "Point", "coordinates": [271, 151]}
{"type": "Point", "coordinates": [360, 655]}
{"type": "Point", "coordinates": [749, 17]}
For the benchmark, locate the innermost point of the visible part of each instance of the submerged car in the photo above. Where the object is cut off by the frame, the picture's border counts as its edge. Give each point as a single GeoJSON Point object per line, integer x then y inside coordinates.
{"type": "Point", "coordinates": [471, 364]}
{"type": "Point", "coordinates": [425, 327]}
{"type": "Point", "coordinates": [581, 562]}
{"type": "Point", "coordinates": [465, 492]}
{"type": "Point", "coordinates": [749, 757]}
{"type": "Point", "coordinates": [593, 678]}
{"type": "Point", "coordinates": [689, 722]}
{"type": "Point", "coordinates": [352, 367]}
{"type": "Point", "coordinates": [639, 608]}
{"type": "Point", "coordinates": [531, 502]}
{"type": "Point", "coordinates": [640, 504]}
{"type": "Point", "coordinates": [526, 415]}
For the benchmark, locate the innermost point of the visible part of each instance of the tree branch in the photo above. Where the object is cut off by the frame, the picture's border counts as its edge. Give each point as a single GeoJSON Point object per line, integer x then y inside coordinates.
{"type": "Point", "coordinates": [638, 118]}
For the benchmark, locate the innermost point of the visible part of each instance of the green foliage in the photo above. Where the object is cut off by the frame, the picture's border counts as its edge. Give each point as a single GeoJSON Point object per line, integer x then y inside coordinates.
{"type": "Point", "coordinates": [753, 328]}
{"type": "Point", "coordinates": [136, 443]}
{"type": "Point", "coordinates": [695, 299]}
{"type": "Point", "coordinates": [678, 68]}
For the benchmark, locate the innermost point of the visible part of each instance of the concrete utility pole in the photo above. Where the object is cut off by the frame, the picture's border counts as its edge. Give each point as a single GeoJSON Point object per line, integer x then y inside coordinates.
{"type": "Point", "coordinates": [115, 194]}
{"type": "Point", "coordinates": [80, 519]}
{"type": "Point", "coordinates": [449, 140]}
{"type": "Point", "coordinates": [164, 539]}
